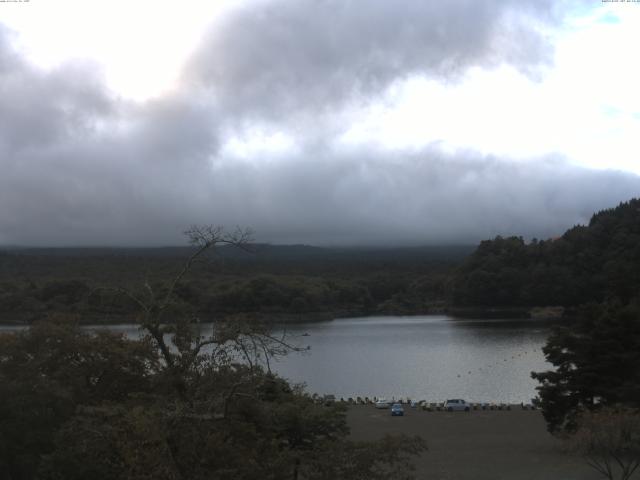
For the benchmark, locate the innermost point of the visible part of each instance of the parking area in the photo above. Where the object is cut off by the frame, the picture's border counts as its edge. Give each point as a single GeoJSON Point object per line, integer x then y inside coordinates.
{"type": "Point", "coordinates": [476, 445]}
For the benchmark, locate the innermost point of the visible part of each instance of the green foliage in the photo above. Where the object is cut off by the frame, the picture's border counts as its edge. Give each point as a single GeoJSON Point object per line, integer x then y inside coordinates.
{"type": "Point", "coordinates": [179, 403]}
{"type": "Point", "coordinates": [79, 406]}
{"type": "Point", "coordinates": [596, 365]}
{"type": "Point", "coordinates": [287, 282]}
{"type": "Point", "coordinates": [587, 264]}
{"type": "Point", "coordinates": [67, 291]}
{"type": "Point", "coordinates": [47, 371]}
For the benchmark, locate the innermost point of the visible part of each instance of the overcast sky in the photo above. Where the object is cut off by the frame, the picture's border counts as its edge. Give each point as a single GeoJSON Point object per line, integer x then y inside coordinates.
{"type": "Point", "coordinates": [326, 122]}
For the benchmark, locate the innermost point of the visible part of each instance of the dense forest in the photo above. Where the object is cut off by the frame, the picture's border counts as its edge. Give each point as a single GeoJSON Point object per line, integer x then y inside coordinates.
{"type": "Point", "coordinates": [592, 263]}
{"type": "Point", "coordinates": [506, 275]}
{"type": "Point", "coordinates": [592, 273]}
{"type": "Point", "coordinates": [282, 282]}
{"type": "Point", "coordinates": [183, 401]}
{"type": "Point", "coordinates": [594, 386]}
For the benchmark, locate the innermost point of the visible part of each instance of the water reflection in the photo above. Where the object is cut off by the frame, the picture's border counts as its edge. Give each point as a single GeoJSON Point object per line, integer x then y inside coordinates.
{"type": "Point", "coordinates": [430, 357]}
{"type": "Point", "coordinates": [427, 357]}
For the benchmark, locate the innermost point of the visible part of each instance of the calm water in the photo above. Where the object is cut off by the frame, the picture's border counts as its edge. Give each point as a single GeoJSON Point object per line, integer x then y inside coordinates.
{"type": "Point", "coordinates": [423, 357]}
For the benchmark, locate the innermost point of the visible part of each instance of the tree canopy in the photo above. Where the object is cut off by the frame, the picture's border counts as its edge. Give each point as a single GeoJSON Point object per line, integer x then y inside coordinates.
{"type": "Point", "coordinates": [178, 403]}
{"type": "Point", "coordinates": [596, 362]}
{"type": "Point", "coordinates": [593, 263]}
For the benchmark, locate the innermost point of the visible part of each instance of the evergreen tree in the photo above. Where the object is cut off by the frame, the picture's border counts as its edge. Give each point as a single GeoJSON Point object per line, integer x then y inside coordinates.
{"type": "Point", "coordinates": [597, 364]}
{"type": "Point", "coordinates": [594, 263]}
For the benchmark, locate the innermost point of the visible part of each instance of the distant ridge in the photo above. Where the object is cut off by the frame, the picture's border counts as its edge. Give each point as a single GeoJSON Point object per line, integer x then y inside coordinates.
{"type": "Point", "coordinates": [257, 251]}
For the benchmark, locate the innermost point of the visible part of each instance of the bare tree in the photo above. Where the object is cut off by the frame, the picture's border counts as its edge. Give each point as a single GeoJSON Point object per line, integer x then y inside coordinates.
{"type": "Point", "coordinates": [180, 338]}
{"type": "Point", "coordinates": [609, 441]}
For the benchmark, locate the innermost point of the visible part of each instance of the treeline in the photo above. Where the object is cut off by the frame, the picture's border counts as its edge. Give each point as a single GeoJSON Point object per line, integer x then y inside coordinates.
{"type": "Point", "coordinates": [294, 281]}
{"type": "Point", "coordinates": [594, 386]}
{"type": "Point", "coordinates": [594, 263]}
{"type": "Point", "coordinates": [593, 273]}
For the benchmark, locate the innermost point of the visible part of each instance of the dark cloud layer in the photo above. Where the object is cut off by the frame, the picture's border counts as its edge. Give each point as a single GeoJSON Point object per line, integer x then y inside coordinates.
{"type": "Point", "coordinates": [365, 197]}
{"type": "Point", "coordinates": [79, 166]}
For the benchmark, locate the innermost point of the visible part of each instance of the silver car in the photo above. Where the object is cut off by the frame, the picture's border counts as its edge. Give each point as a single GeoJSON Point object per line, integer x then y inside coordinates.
{"type": "Point", "coordinates": [456, 404]}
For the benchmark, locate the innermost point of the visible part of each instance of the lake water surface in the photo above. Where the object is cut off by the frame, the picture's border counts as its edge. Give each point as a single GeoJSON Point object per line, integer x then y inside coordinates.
{"type": "Point", "coordinates": [430, 357]}
{"type": "Point", "coordinates": [424, 357]}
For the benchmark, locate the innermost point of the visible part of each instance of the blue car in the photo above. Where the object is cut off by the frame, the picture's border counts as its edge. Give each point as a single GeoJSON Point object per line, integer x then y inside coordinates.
{"type": "Point", "coordinates": [397, 410]}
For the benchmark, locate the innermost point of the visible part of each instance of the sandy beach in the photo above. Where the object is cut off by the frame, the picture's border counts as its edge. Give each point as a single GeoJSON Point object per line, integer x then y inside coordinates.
{"type": "Point", "coordinates": [476, 445]}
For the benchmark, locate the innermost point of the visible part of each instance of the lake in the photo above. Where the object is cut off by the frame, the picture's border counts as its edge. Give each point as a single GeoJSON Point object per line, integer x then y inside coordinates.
{"type": "Point", "coordinates": [423, 357]}
{"type": "Point", "coordinates": [432, 357]}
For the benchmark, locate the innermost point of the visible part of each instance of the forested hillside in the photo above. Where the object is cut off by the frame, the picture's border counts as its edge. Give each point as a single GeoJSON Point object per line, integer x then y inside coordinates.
{"type": "Point", "coordinates": [593, 263]}
{"type": "Point", "coordinates": [297, 282]}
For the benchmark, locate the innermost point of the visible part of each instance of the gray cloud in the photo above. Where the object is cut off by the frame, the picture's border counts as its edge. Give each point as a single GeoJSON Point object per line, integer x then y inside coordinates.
{"type": "Point", "coordinates": [280, 58]}
{"type": "Point", "coordinates": [41, 108]}
{"type": "Point", "coordinates": [412, 198]}
{"type": "Point", "coordinates": [79, 166]}
{"type": "Point", "coordinates": [364, 197]}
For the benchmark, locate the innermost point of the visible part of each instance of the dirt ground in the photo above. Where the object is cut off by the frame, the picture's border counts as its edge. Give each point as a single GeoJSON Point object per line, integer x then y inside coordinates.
{"type": "Point", "coordinates": [476, 445]}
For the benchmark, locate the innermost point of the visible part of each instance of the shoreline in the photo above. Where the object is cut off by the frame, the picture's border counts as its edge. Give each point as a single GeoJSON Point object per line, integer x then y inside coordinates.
{"type": "Point", "coordinates": [542, 314]}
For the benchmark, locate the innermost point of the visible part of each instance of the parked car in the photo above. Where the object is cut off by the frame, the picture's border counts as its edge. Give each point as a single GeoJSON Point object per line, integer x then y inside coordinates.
{"type": "Point", "coordinates": [382, 403]}
{"type": "Point", "coordinates": [397, 410]}
{"type": "Point", "coordinates": [456, 404]}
